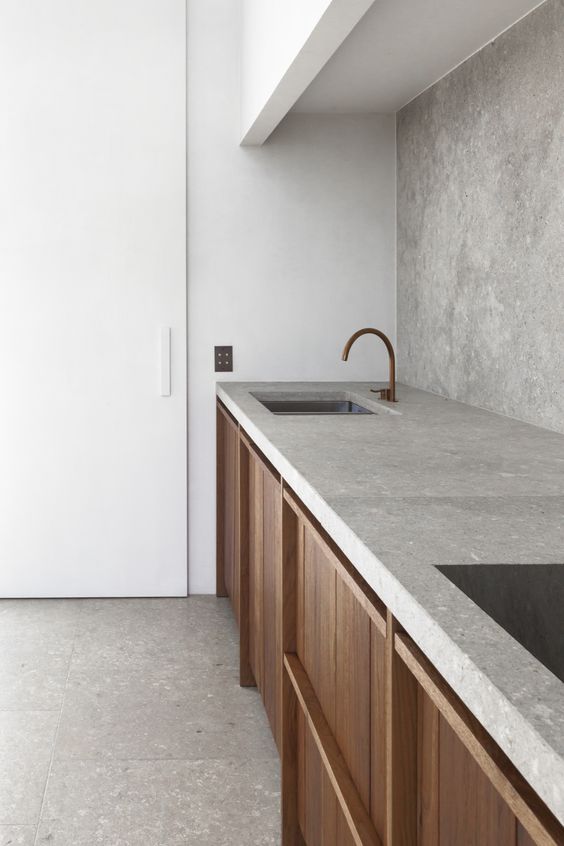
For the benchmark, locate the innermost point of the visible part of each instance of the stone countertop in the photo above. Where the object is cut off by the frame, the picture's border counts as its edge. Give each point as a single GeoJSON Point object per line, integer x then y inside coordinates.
{"type": "Point", "coordinates": [425, 482]}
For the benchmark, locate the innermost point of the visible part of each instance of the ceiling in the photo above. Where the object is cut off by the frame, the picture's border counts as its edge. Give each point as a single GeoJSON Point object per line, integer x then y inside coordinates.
{"type": "Point", "coordinates": [401, 47]}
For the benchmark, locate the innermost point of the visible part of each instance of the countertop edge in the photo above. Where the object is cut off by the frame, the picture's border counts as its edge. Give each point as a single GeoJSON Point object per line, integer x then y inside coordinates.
{"type": "Point", "coordinates": [503, 721]}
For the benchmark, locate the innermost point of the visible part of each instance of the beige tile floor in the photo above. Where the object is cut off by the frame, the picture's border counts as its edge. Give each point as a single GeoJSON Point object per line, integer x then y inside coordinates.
{"type": "Point", "coordinates": [122, 723]}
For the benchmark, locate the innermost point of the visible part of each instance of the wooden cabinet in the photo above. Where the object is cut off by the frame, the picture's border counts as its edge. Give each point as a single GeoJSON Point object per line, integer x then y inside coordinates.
{"type": "Point", "coordinates": [466, 791]}
{"type": "Point", "coordinates": [272, 601]}
{"type": "Point", "coordinates": [262, 492]}
{"type": "Point", "coordinates": [227, 537]}
{"type": "Point", "coordinates": [337, 682]}
{"type": "Point", "coordinates": [249, 562]}
{"type": "Point", "coordinates": [256, 602]}
{"type": "Point", "coordinates": [375, 746]}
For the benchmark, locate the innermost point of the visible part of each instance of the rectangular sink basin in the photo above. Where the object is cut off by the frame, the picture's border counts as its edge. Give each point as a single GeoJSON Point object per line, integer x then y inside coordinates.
{"type": "Point", "coordinates": [309, 406]}
{"type": "Point", "coordinates": [527, 600]}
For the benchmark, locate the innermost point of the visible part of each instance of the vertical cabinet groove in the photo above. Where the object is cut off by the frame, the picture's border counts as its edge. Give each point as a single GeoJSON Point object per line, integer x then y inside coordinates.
{"type": "Point", "coordinates": [227, 508]}
{"type": "Point", "coordinates": [261, 526]}
{"type": "Point", "coordinates": [352, 687]}
{"type": "Point", "coordinates": [256, 605]}
{"type": "Point", "coordinates": [272, 601]}
{"type": "Point", "coordinates": [378, 729]}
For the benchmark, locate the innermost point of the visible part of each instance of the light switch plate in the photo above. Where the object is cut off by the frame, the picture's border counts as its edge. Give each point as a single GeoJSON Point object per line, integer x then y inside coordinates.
{"type": "Point", "coordinates": [223, 359]}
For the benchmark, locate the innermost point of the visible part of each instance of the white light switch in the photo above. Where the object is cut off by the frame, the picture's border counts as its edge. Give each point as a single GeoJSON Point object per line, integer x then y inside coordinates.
{"type": "Point", "coordinates": [165, 361]}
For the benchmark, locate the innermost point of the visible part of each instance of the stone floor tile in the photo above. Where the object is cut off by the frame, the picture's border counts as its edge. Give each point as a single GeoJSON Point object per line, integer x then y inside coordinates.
{"type": "Point", "coordinates": [123, 728]}
{"type": "Point", "coordinates": [26, 745]}
{"type": "Point", "coordinates": [162, 803]}
{"type": "Point", "coordinates": [33, 676]}
{"type": "Point", "coordinates": [29, 622]}
{"type": "Point", "coordinates": [157, 743]}
{"type": "Point", "coordinates": [201, 629]}
{"type": "Point", "coordinates": [137, 675]}
{"type": "Point", "coordinates": [17, 835]}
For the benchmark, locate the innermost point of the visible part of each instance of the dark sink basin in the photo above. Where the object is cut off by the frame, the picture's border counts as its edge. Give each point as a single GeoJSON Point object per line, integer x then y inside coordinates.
{"type": "Point", "coordinates": [527, 600]}
{"type": "Point", "coordinates": [307, 406]}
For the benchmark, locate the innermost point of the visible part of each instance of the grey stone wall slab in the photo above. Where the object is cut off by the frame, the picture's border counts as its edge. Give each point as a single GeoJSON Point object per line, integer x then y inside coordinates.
{"type": "Point", "coordinates": [481, 227]}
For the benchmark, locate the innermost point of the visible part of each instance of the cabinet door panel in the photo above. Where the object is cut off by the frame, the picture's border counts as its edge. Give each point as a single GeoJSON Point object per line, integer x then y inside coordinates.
{"type": "Point", "coordinates": [329, 809]}
{"type": "Point", "coordinates": [301, 757]}
{"type": "Point", "coordinates": [229, 434]}
{"type": "Point", "coordinates": [255, 569]}
{"type": "Point", "coordinates": [523, 839]}
{"type": "Point", "coordinates": [319, 624]}
{"type": "Point", "coordinates": [320, 802]}
{"type": "Point", "coordinates": [272, 611]}
{"type": "Point", "coordinates": [471, 812]}
{"type": "Point", "coordinates": [352, 686]}
{"type": "Point", "coordinates": [344, 836]}
{"type": "Point", "coordinates": [378, 729]}
{"type": "Point", "coordinates": [427, 770]}
{"type": "Point", "coordinates": [312, 791]}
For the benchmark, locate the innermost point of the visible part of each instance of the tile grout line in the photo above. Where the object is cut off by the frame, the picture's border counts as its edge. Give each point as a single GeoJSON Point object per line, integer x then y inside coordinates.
{"type": "Point", "coordinates": [56, 736]}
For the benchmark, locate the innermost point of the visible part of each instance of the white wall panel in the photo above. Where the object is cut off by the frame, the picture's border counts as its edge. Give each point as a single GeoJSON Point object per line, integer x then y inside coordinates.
{"type": "Point", "coordinates": [92, 263]}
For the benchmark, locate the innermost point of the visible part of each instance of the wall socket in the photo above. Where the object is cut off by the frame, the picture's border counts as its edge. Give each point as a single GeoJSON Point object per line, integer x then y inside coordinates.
{"type": "Point", "coordinates": [223, 359]}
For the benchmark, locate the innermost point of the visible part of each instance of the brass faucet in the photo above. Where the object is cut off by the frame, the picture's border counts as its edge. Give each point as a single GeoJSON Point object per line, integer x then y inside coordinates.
{"type": "Point", "coordinates": [388, 394]}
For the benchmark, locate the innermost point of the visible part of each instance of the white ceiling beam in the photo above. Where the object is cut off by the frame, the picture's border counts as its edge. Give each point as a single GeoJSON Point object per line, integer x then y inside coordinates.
{"type": "Point", "coordinates": [333, 27]}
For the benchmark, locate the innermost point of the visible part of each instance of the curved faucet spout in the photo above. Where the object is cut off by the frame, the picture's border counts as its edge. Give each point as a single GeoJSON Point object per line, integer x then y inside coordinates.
{"type": "Point", "coordinates": [389, 393]}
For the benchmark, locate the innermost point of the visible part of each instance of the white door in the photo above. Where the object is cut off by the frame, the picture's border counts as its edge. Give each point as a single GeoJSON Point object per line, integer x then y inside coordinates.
{"type": "Point", "coordinates": [92, 265]}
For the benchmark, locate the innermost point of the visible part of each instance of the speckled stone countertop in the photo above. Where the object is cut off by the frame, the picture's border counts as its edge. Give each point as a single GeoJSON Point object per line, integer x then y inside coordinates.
{"type": "Point", "coordinates": [426, 482]}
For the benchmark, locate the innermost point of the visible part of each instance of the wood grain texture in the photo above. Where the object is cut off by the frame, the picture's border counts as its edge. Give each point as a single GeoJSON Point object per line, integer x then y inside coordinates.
{"type": "Point", "coordinates": [333, 764]}
{"type": "Point", "coordinates": [427, 770]}
{"type": "Point", "coordinates": [233, 512]}
{"type": "Point", "coordinates": [401, 752]}
{"type": "Point", "coordinates": [523, 839]}
{"type": "Point", "coordinates": [471, 811]}
{"type": "Point", "coordinates": [320, 623]}
{"type": "Point", "coordinates": [301, 756]}
{"type": "Point", "coordinates": [291, 550]}
{"type": "Point", "coordinates": [246, 675]}
{"type": "Point", "coordinates": [312, 790]}
{"type": "Point", "coordinates": [352, 687]}
{"type": "Point", "coordinates": [321, 802]}
{"type": "Point", "coordinates": [291, 763]}
{"type": "Point", "coordinates": [272, 602]}
{"type": "Point", "coordinates": [300, 592]}
{"type": "Point", "coordinates": [362, 591]}
{"type": "Point", "coordinates": [533, 815]}
{"type": "Point", "coordinates": [228, 506]}
{"type": "Point", "coordinates": [229, 510]}
{"type": "Point", "coordinates": [330, 810]}
{"type": "Point", "coordinates": [256, 625]}
{"type": "Point", "coordinates": [221, 588]}
{"type": "Point", "coordinates": [344, 836]}
{"type": "Point", "coordinates": [378, 729]}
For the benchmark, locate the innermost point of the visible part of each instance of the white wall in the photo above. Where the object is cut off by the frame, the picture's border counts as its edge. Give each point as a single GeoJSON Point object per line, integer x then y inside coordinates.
{"type": "Point", "coordinates": [92, 260]}
{"type": "Point", "coordinates": [291, 249]}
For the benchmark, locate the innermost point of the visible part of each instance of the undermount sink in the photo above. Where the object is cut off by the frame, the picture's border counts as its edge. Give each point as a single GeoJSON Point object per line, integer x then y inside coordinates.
{"type": "Point", "coordinates": [524, 599]}
{"type": "Point", "coordinates": [313, 406]}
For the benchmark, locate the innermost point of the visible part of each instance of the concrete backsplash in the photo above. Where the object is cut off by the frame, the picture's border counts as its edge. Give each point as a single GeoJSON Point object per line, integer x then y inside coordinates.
{"type": "Point", "coordinates": [481, 227]}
